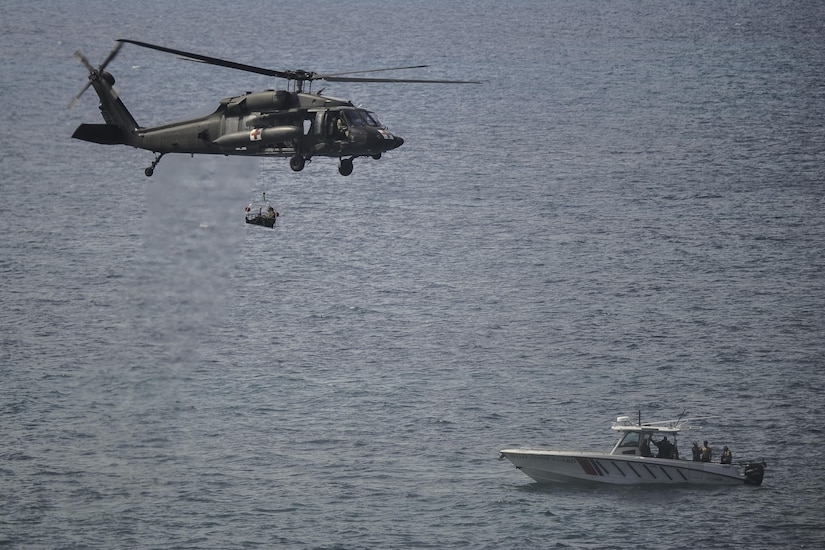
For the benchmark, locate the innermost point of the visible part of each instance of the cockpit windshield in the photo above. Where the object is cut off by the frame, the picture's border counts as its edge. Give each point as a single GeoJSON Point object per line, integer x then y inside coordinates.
{"type": "Point", "coordinates": [361, 117]}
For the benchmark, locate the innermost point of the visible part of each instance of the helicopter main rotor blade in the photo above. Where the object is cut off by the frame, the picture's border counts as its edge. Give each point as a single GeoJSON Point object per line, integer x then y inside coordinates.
{"type": "Point", "coordinates": [342, 77]}
{"type": "Point", "coordinates": [373, 70]}
{"type": "Point", "coordinates": [298, 75]}
{"type": "Point", "coordinates": [210, 60]}
{"type": "Point", "coordinates": [395, 80]}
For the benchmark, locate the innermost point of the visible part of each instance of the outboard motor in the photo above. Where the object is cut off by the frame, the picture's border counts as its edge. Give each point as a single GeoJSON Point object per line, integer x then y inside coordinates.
{"type": "Point", "coordinates": [754, 472]}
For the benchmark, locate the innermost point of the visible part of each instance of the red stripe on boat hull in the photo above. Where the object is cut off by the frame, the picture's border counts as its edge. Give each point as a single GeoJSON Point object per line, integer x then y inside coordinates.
{"type": "Point", "coordinates": [587, 466]}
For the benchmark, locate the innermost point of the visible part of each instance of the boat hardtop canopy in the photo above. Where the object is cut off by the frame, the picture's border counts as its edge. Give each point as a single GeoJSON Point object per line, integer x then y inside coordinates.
{"type": "Point", "coordinates": [624, 424]}
{"type": "Point", "coordinates": [636, 438]}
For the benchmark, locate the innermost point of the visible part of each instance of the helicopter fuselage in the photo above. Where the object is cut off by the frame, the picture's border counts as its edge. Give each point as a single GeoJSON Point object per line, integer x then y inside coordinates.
{"type": "Point", "coordinates": [276, 123]}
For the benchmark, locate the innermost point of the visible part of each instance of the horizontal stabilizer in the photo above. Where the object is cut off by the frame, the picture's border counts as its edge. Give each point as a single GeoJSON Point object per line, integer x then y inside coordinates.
{"type": "Point", "coordinates": [105, 134]}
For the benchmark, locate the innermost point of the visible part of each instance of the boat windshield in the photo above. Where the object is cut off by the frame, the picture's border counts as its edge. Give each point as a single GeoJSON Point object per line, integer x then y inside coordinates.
{"type": "Point", "coordinates": [630, 439]}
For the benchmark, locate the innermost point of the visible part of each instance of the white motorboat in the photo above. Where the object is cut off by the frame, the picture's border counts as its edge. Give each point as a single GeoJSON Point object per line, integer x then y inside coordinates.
{"type": "Point", "coordinates": [632, 462]}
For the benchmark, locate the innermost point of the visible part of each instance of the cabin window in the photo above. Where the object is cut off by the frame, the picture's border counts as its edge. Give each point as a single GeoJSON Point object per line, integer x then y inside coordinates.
{"type": "Point", "coordinates": [631, 439]}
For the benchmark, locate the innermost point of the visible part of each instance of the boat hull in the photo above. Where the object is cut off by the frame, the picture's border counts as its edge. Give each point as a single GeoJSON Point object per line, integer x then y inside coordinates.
{"type": "Point", "coordinates": [576, 467]}
{"type": "Point", "coordinates": [262, 220]}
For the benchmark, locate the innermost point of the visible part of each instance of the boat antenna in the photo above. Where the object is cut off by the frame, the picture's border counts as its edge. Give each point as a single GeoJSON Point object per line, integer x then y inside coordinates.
{"type": "Point", "coordinates": [678, 420]}
{"type": "Point", "coordinates": [640, 417]}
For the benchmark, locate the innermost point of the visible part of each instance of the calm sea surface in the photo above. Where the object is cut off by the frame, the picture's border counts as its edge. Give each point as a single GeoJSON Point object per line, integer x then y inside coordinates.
{"type": "Point", "coordinates": [627, 215]}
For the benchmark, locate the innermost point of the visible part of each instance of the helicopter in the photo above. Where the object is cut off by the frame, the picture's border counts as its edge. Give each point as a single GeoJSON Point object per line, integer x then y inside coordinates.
{"type": "Point", "coordinates": [289, 122]}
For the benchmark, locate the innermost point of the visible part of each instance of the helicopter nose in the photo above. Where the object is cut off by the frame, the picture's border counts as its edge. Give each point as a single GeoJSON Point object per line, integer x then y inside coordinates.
{"type": "Point", "coordinates": [384, 140]}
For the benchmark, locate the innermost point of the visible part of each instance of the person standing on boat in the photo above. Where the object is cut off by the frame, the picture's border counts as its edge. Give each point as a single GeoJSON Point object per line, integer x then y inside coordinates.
{"type": "Point", "coordinates": [665, 448]}
{"type": "Point", "coordinates": [644, 447]}
{"type": "Point", "coordinates": [697, 452]}
{"type": "Point", "coordinates": [707, 452]}
{"type": "Point", "coordinates": [727, 456]}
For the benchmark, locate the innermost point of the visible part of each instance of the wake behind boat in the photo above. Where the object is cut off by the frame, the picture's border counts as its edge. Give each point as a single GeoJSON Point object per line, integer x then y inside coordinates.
{"type": "Point", "coordinates": [632, 462]}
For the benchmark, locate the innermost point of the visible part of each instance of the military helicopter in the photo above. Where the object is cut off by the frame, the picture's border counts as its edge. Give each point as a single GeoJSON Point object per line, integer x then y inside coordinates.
{"type": "Point", "coordinates": [291, 123]}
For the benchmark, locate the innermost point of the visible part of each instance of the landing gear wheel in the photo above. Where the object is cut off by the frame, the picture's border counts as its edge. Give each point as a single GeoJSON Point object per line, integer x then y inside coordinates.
{"type": "Point", "coordinates": [151, 170]}
{"type": "Point", "coordinates": [297, 162]}
{"type": "Point", "coordinates": [377, 156]}
{"type": "Point", "coordinates": [345, 167]}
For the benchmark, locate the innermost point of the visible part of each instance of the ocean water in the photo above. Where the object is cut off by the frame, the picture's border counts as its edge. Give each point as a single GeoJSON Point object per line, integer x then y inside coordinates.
{"type": "Point", "coordinates": [627, 215]}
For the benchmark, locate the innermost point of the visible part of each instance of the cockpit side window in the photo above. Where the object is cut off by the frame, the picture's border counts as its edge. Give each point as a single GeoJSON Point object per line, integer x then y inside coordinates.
{"type": "Point", "coordinates": [631, 439]}
{"type": "Point", "coordinates": [354, 117]}
{"type": "Point", "coordinates": [371, 118]}
{"type": "Point", "coordinates": [361, 117]}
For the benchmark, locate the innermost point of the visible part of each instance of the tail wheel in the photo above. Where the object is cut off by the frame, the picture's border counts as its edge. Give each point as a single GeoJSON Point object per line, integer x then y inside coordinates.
{"type": "Point", "coordinates": [151, 170]}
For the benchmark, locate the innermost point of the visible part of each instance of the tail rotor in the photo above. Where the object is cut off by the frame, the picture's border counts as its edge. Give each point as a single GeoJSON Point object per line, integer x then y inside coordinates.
{"type": "Point", "coordinates": [94, 74]}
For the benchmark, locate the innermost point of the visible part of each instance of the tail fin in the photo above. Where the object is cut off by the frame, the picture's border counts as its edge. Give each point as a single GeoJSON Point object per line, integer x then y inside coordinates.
{"type": "Point", "coordinates": [120, 125]}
